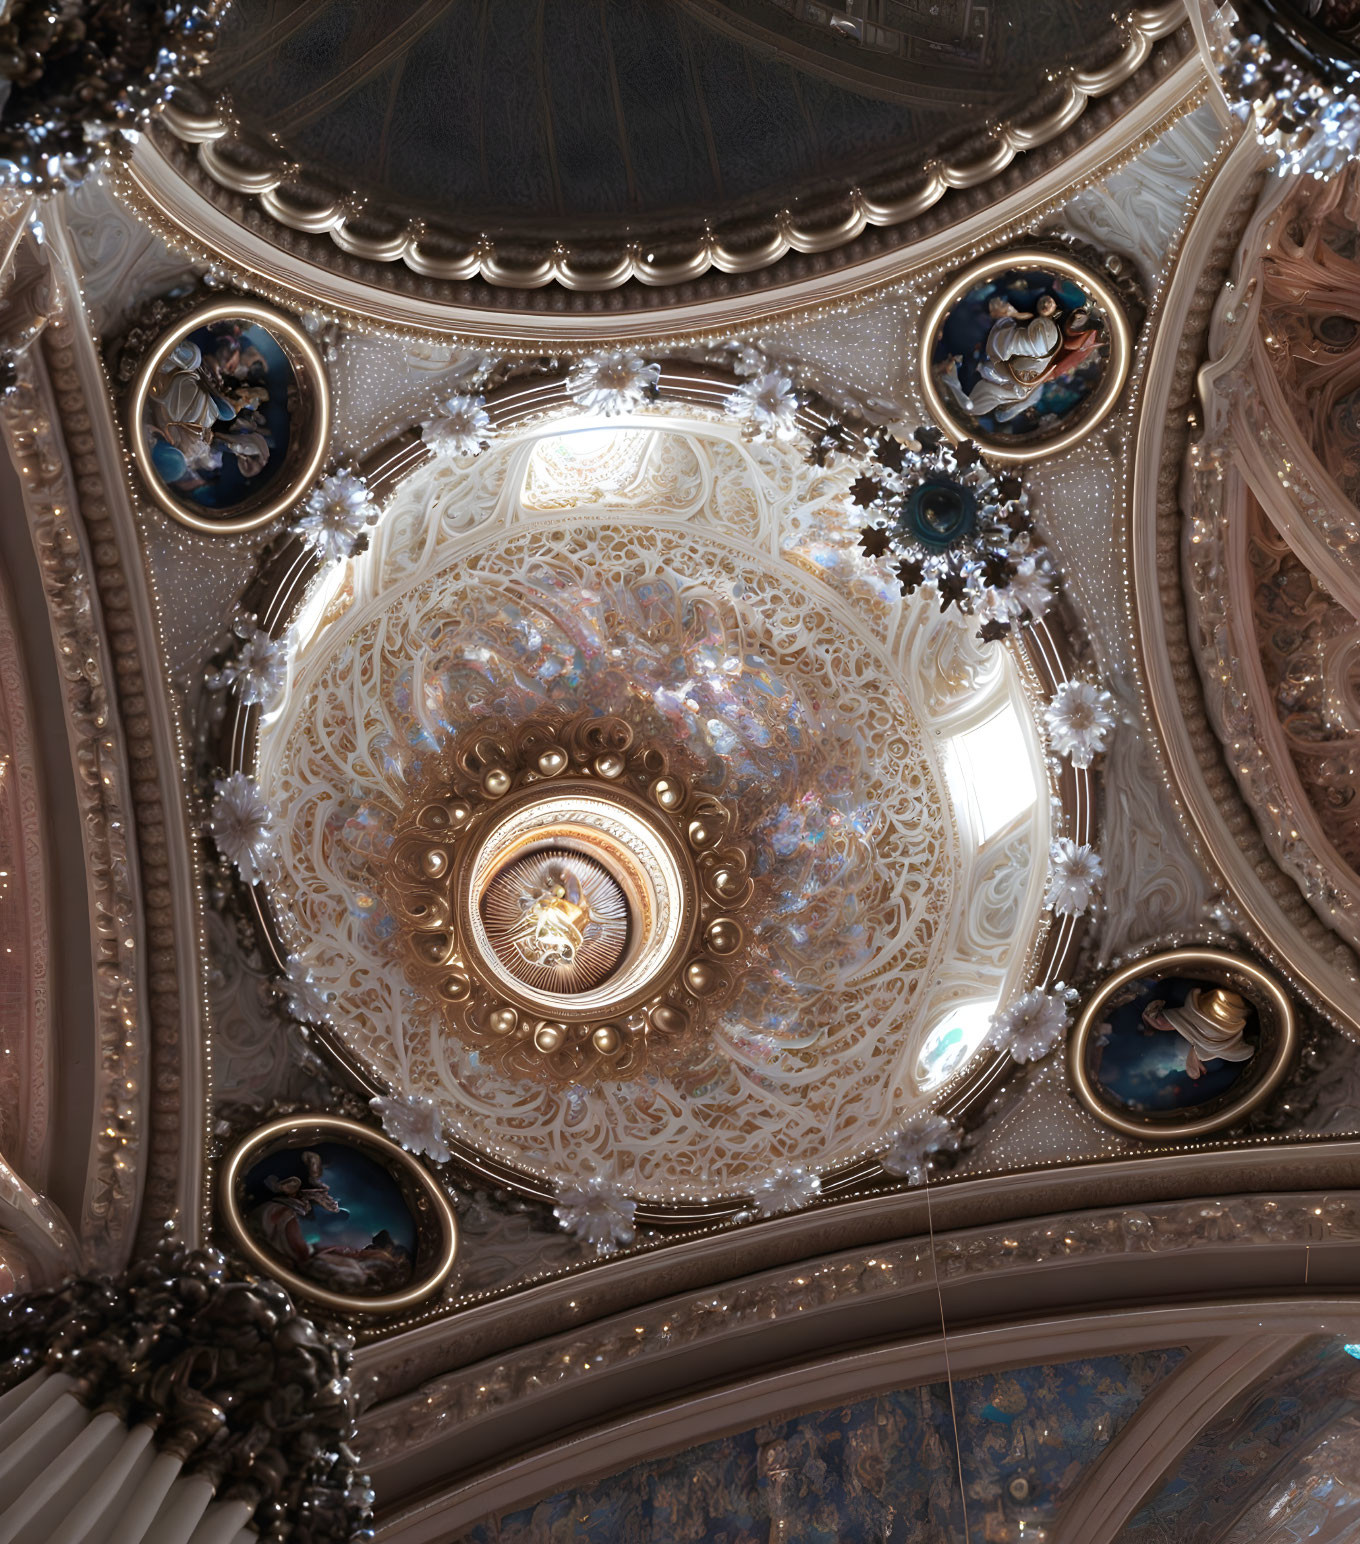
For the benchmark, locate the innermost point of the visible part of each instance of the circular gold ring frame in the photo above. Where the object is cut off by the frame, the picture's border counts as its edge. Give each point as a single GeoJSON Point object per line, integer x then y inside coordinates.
{"type": "Point", "coordinates": [642, 974]}
{"type": "Point", "coordinates": [1102, 400]}
{"type": "Point", "coordinates": [313, 388]}
{"type": "Point", "coordinates": [1279, 1036]}
{"type": "Point", "coordinates": [436, 1225]}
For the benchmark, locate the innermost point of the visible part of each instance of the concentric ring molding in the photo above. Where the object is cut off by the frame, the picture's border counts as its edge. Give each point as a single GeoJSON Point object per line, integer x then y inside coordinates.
{"type": "Point", "coordinates": [312, 379]}
{"type": "Point", "coordinates": [434, 1216]}
{"type": "Point", "coordinates": [1112, 385]}
{"type": "Point", "coordinates": [1216, 964]}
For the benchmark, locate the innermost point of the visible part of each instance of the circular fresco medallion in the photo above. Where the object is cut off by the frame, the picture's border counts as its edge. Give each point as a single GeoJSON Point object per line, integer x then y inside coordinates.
{"type": "Point", "coordinates": [230, 416]}
{"type": "Point", "coordinates": [339, 1214]}
{"type": "Point", "coordinates": [1025, 352]}
{"type": "Point", "coordinates": [659, 648]}
{"type": "Point", "coordinates": [1182, 1043]}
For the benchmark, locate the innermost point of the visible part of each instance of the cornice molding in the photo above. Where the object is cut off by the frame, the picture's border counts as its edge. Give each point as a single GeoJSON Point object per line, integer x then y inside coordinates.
{"type": "Point", "coordinates": [1217, 1370]}
{"type": "Point", "coordinates": [178, 1111]}
{"type": "Point", "coordinates": [302, 271]}
{"type": "Point", "coordinates": [248, 166]}
{"type": "Point", "coordinates": [99, 753]}
{"type": "Point", "coordinates": [458, 1433]}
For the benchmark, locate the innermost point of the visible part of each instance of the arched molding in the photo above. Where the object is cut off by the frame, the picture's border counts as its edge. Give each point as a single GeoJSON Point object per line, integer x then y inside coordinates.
{"type": "Point", "coordinates": [293, 270]}
{"type": "Point", "coordinates": [1164, 1426]}
{"type": "Point", "coordinates": [25, 885]}
{"type": "Point", "coordinates": [655, 1327]}
{"type": "Point", "coordinates": [1224, 826]}
{"type": "Point", "coordinates": [1228, 1354]}
{"type": "Point", "coordinates": [145, 1157]}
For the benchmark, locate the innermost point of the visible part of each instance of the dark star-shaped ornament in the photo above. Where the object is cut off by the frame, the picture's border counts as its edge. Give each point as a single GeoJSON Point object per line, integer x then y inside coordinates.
{"type": "Point", "coordinates": [890, 452]}
{"type": "Point", "coordinates": [928, 437]}
{"type": "Point", "coordinates": [952, 590]}
{"type": "Point", "coordinates": [911, 575]}
{"type": "Point", "coordinates": [865, 489]}
{"type": "Point", "coordinates": [993, 630]}
{"type": "Point", "coordinates": [875, 541]}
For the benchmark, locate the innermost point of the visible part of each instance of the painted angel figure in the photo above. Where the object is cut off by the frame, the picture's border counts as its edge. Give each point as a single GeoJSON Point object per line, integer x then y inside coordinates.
{"type": "Point", "coordinates": [557, 921]}
{"type": "Point", "coordinates": [1212, 1020]}
{"type": "Point", "coordinates": [1025, 350]}
{"type": "Point", "coordinates": [278, 1220]}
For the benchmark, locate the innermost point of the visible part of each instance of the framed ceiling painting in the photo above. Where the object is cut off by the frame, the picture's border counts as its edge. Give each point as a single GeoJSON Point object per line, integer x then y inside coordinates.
{"type": "Point", "coordinates": [1182, 1043]}
{"type": "Point", "coordinates": [339, 1214]}
{"type": "Point", "coordinates": [229, 416]}
{"type": "Point", "coordinates": [1025, 352]}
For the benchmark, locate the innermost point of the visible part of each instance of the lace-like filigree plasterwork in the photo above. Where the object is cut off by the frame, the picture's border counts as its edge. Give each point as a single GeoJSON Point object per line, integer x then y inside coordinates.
{"type": "Point", "coordinates": [714, 597]}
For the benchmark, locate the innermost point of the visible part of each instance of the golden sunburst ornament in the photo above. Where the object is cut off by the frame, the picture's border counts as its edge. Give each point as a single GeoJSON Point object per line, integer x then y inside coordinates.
{"type": "Point", "coordinates": [569, 901]}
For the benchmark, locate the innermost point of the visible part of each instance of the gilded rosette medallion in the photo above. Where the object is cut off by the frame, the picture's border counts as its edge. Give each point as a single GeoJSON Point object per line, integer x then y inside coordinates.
{"type": "Point", "coordinates": [570, 904]}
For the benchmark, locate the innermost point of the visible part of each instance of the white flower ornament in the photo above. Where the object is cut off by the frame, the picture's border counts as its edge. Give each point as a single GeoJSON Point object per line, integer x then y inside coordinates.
{"type": "Point", "coordinates": [302, 998]}
{"type": "Point", "coordinates": [259, 671]}
{"type": "Point", "coordinates": [597, 1212]}
{"type": "Point", "coordinates": [412, 1121]}
{"type": "Point", "coordinates": [335, 514]}
{"type": "Point", "coordinates": [612, 383]}
{"type": "Point", "coordinates": [768, 403]}
{"type": "Point", "coordinates": [460, 426]}
{"type": "Point", "coordinates": [786, 1190]}
{"type": "Point", "coordinates": [1033, 1025]}
{"type": "Point", "coordinates": [242, 827]}
{"type": "Point", "coordinates": [1079, 718]}
{"type": "Point", "coordinates": [1074, 873]}
{"type": "Point", "coordinates": [908, 1157]}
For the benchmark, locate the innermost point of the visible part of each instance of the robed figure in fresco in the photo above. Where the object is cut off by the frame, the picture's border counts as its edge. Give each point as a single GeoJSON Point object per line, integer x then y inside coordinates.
{"type": "Point", "coordinates": [1025, 350]}
{"type": "Point", "coordinates": [1212, 1021]}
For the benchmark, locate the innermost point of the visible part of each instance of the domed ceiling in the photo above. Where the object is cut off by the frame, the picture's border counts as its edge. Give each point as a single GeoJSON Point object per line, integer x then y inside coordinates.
{"type": "Point", "coordinates": [761, 920]}
{"type": "Point", "coordinates": [628, 146]}
{"type": "Point", "coordinates": [882, 896]}
{"type": "Point", "coordinates": [506, 115]}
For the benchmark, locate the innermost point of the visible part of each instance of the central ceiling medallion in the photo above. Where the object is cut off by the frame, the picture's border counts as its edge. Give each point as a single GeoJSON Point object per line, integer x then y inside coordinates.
{"type": "Point", "coordinates": [569, 902]}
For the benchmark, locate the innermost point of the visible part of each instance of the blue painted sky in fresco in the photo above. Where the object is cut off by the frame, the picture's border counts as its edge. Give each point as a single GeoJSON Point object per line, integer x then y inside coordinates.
{"type": "Point", "coordinates": [879, 1471]}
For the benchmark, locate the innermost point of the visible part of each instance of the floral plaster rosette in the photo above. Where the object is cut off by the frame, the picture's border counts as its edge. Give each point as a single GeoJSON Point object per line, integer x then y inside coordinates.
{"type": "Point", "coordinates": [709, 593]}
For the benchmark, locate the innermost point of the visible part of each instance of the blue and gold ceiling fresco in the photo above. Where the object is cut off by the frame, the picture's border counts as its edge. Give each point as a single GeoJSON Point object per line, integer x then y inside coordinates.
{"type": "Point", "coordinates": [879, 1471]}
{"type": "Point", "coordinates": [1252, 1451]}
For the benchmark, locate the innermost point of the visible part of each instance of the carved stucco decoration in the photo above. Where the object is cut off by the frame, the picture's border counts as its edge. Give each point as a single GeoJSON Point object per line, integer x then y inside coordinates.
{"type": "Point", "coordinates": [415, 1412]}
{"type": "Point", "coordinates": [1263, 892]}
{"type": "Point", "coordinates": [25, 918]}
{"type": "Point", "coordinates": [1308, 645]}
{"type": "Point", "coordinates": [1264, 512]}
{"type": "Point", "coordinates": [467, 542]}
{"type": "Point", "coordinates": [168, 188]}
{"type": "Point", "coordinates": [66, 449]}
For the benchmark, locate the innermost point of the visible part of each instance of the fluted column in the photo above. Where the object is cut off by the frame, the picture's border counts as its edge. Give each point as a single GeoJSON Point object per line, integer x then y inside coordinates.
{"type": "Point", "coordinates": [183, 1403]}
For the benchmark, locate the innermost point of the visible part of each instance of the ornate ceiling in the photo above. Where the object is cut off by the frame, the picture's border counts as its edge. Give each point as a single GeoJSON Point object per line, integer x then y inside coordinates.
{"type": "Point", "coordinates": [678, 715]}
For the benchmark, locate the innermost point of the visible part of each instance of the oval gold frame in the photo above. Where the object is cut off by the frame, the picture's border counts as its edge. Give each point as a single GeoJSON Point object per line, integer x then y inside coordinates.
{"type": "Point", "coordinates": [1102, 402]}
{"type": "Point", "coordinates": [308, 367]}
{"type": "Point", "coordinates": [430, 1207]}
{"type": "Point", "coordinates": [1230, 970]}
